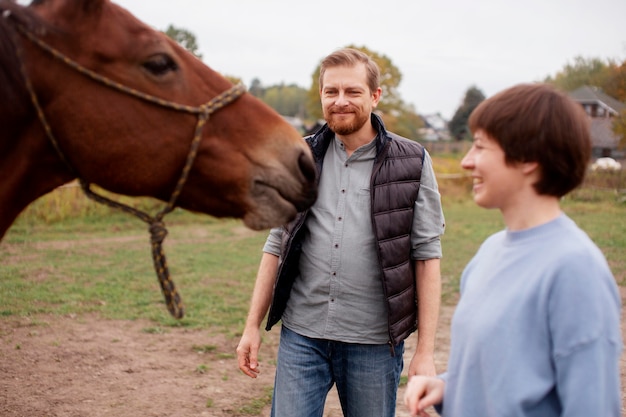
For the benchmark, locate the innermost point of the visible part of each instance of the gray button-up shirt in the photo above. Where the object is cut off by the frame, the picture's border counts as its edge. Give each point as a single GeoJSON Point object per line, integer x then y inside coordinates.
{"type": "Point", "coordinates": [339, 294]}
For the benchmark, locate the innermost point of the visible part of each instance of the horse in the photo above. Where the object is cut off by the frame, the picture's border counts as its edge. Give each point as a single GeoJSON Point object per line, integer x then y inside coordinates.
{"type": "Point", "coordinates": [90, 92]}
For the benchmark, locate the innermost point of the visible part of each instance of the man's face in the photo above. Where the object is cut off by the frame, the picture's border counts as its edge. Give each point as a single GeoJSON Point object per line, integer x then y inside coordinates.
{"type": "Point", "coordinates": [346, 98]}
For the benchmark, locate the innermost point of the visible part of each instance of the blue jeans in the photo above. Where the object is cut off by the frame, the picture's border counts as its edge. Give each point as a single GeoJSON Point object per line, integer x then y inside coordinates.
{"type": "Point", "coordinates": [367, 377]}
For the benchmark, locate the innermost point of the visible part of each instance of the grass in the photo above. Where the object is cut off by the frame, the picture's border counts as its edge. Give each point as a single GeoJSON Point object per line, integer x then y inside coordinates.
{"type": "Point", "coordinates": [91, 265]}
{"type": "Point", "coordinates": [67, 254]}
{"type": "Point", "coordinates": [100, 261]}
{"type": "Point", "coordinates": [255, 406]}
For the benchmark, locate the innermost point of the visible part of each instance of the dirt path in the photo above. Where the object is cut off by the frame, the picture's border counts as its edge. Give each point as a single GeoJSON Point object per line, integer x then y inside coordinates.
{"type": "Point", "coordinates": [85, 367]}
{"type": "Point", "coordinates": [82, 366]}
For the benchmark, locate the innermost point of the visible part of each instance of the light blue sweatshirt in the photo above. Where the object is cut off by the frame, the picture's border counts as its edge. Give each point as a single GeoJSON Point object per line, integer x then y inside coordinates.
{"type": "Point", "coordinates": [537, 329]}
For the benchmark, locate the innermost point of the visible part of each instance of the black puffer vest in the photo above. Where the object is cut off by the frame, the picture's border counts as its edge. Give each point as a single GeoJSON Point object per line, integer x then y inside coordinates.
{"type": "Point", "coordinates": [394, 185]}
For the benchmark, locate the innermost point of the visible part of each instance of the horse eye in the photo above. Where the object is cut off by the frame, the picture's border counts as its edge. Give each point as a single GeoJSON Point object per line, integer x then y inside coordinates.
{"type": "Point", "coordinates": [160, 64]}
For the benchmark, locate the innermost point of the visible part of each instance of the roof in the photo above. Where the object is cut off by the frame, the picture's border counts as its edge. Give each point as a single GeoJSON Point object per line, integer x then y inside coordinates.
{"type": "Point", "coordinates": [594, 95]}
{"type": "Point", "coordinates": [435, 121]}
{"type": "Point", "coordinates": [602, 135]}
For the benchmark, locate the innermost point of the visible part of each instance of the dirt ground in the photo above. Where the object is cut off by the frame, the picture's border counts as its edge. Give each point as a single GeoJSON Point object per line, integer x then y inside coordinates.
{"type": "Point", "coordinates": [86, 367]}
{"type": "Point", "coordinates": [82, 366]}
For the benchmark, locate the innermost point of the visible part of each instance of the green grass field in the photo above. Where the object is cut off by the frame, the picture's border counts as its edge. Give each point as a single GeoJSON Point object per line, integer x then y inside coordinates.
{"type": "Point", "coordinates": [68, 255]}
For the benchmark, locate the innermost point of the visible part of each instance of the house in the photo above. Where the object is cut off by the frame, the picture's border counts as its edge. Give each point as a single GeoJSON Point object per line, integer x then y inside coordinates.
{"type": "Point", "coordinates": [435, 128]}
{"type": "Point", "coordinates": [602, 109]}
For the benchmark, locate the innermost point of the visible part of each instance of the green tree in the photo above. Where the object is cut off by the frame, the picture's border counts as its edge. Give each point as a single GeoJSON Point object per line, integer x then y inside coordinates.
{"type": "Point", "coordinates": [288, 100]}
{"type": "Point", "coordinates": [458, 124]}
{"type": "Point", "coordinates": [617, 88]}
{"type": "Point", "coordinates": [609, 76]}
{"type": "Point", "coordinates": [184, 38]}
{"type": "Point", "coordinates": [313, 105]}
{"type": "Point", "coordinates": [616, 83]}
{"type": "Point", "coordinates": [404, 121]}
{"type": "Point", "coordinates": [583, 71]}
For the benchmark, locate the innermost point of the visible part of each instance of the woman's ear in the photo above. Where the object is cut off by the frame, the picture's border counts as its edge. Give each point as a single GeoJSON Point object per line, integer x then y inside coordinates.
{"type": "Point", "coordinates": [529, 168]}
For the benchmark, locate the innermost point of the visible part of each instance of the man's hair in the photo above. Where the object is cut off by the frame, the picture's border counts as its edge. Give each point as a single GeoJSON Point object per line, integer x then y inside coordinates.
{"type": "Point", "coordinates": [537, 123]}
{"type": "Point", "coordinates": [350, 57]}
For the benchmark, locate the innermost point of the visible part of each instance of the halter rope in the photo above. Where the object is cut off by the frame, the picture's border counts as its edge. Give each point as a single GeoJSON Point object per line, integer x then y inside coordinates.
{"type": "Point", "coordinates": [156, 226]}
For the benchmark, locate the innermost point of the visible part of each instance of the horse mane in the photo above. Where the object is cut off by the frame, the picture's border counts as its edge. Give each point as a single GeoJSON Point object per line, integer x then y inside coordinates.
{"type": "Point", "coordinates": [12, 88]}
{"type": "Point", "coordinates": [12, 84]}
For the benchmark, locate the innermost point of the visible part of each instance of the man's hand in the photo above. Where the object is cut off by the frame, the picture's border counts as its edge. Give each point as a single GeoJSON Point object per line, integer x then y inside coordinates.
{"type": "Point", "coordinates": [422, 365]}
{"type": "Point", "coordinates": [248, 351]}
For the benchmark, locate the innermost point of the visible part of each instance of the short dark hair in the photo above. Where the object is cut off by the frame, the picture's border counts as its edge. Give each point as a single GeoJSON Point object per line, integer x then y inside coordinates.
{"type": "Point", "coordinates": [537, 123]}
{"type": "Point", "coordinates": [350, 57]}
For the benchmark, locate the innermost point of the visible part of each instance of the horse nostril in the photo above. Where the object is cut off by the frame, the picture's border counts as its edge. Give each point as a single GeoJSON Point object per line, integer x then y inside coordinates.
{"type": "Point", "coordinates": [307, 167]}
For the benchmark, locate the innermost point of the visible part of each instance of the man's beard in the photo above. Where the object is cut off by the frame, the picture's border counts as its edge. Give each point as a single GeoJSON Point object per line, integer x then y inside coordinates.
{"type": "Point", "coordinates": [344, 127]}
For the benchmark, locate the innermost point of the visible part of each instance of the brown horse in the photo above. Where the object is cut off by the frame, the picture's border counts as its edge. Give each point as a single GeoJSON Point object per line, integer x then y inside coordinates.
{"type": "Point", "coordinates": [88, 91]}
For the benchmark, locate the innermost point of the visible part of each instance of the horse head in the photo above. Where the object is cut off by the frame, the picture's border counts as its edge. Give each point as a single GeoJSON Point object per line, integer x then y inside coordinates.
{"type": "Point", "coordinates": [250, 163]}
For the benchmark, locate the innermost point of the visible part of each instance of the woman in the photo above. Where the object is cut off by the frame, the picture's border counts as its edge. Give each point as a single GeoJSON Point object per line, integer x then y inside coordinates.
{"type": "Point", "coordinates": [537, 328]}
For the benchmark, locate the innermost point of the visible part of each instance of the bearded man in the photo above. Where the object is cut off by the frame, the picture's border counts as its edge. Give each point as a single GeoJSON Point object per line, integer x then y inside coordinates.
{"type": "Point", "coordinates": [353, 276]}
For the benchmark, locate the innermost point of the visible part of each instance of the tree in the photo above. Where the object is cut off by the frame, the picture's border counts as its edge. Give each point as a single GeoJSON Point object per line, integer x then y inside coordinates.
{"type": "Point", "coordinates": [184, 38]}
{"type": "Point", "coordinates": [619, 128]}
{"type": "Point", "coordinates": [616, 88]}
{"type": "Point", "coordinates": [256, 88]}
{"type": "Point", "coordinates": [583, 71]}
{"type": "Point", "coordinates": [458, 125]}
{"type": "Point", "coordinates": [287, 100]}
{"type": "Point", "coordinates": [313, 105]}
{"type": "Point", "coordinates": [615, 85]}
{"type": "Point", "coordinates": [405, 122]}
{"type": "Point", "coordinates": [397, 115]}
{"type": "Point", "coordinates": [609, 76]}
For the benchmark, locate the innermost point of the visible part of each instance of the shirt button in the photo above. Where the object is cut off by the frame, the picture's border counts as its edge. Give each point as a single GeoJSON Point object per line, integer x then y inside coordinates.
{"type": "Point", "coordinates": [339, 218]}
{"type": "Point", "coordinates": [336, 245]}
{"type": "Point", "coordinates": [343, 191]}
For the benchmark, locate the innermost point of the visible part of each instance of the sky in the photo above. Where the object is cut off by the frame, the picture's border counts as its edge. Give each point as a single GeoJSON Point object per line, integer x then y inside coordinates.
{"type": "Point", "coordinates": [441, 47]}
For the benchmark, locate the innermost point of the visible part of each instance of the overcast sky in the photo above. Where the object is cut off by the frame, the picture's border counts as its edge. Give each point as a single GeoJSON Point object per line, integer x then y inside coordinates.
{"type": "Point", "coordinates": [441, 47]}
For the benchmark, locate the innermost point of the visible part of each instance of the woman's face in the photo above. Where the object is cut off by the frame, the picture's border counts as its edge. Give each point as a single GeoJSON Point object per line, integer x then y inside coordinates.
{"type": "Point", "coordinates": [495, 184]}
